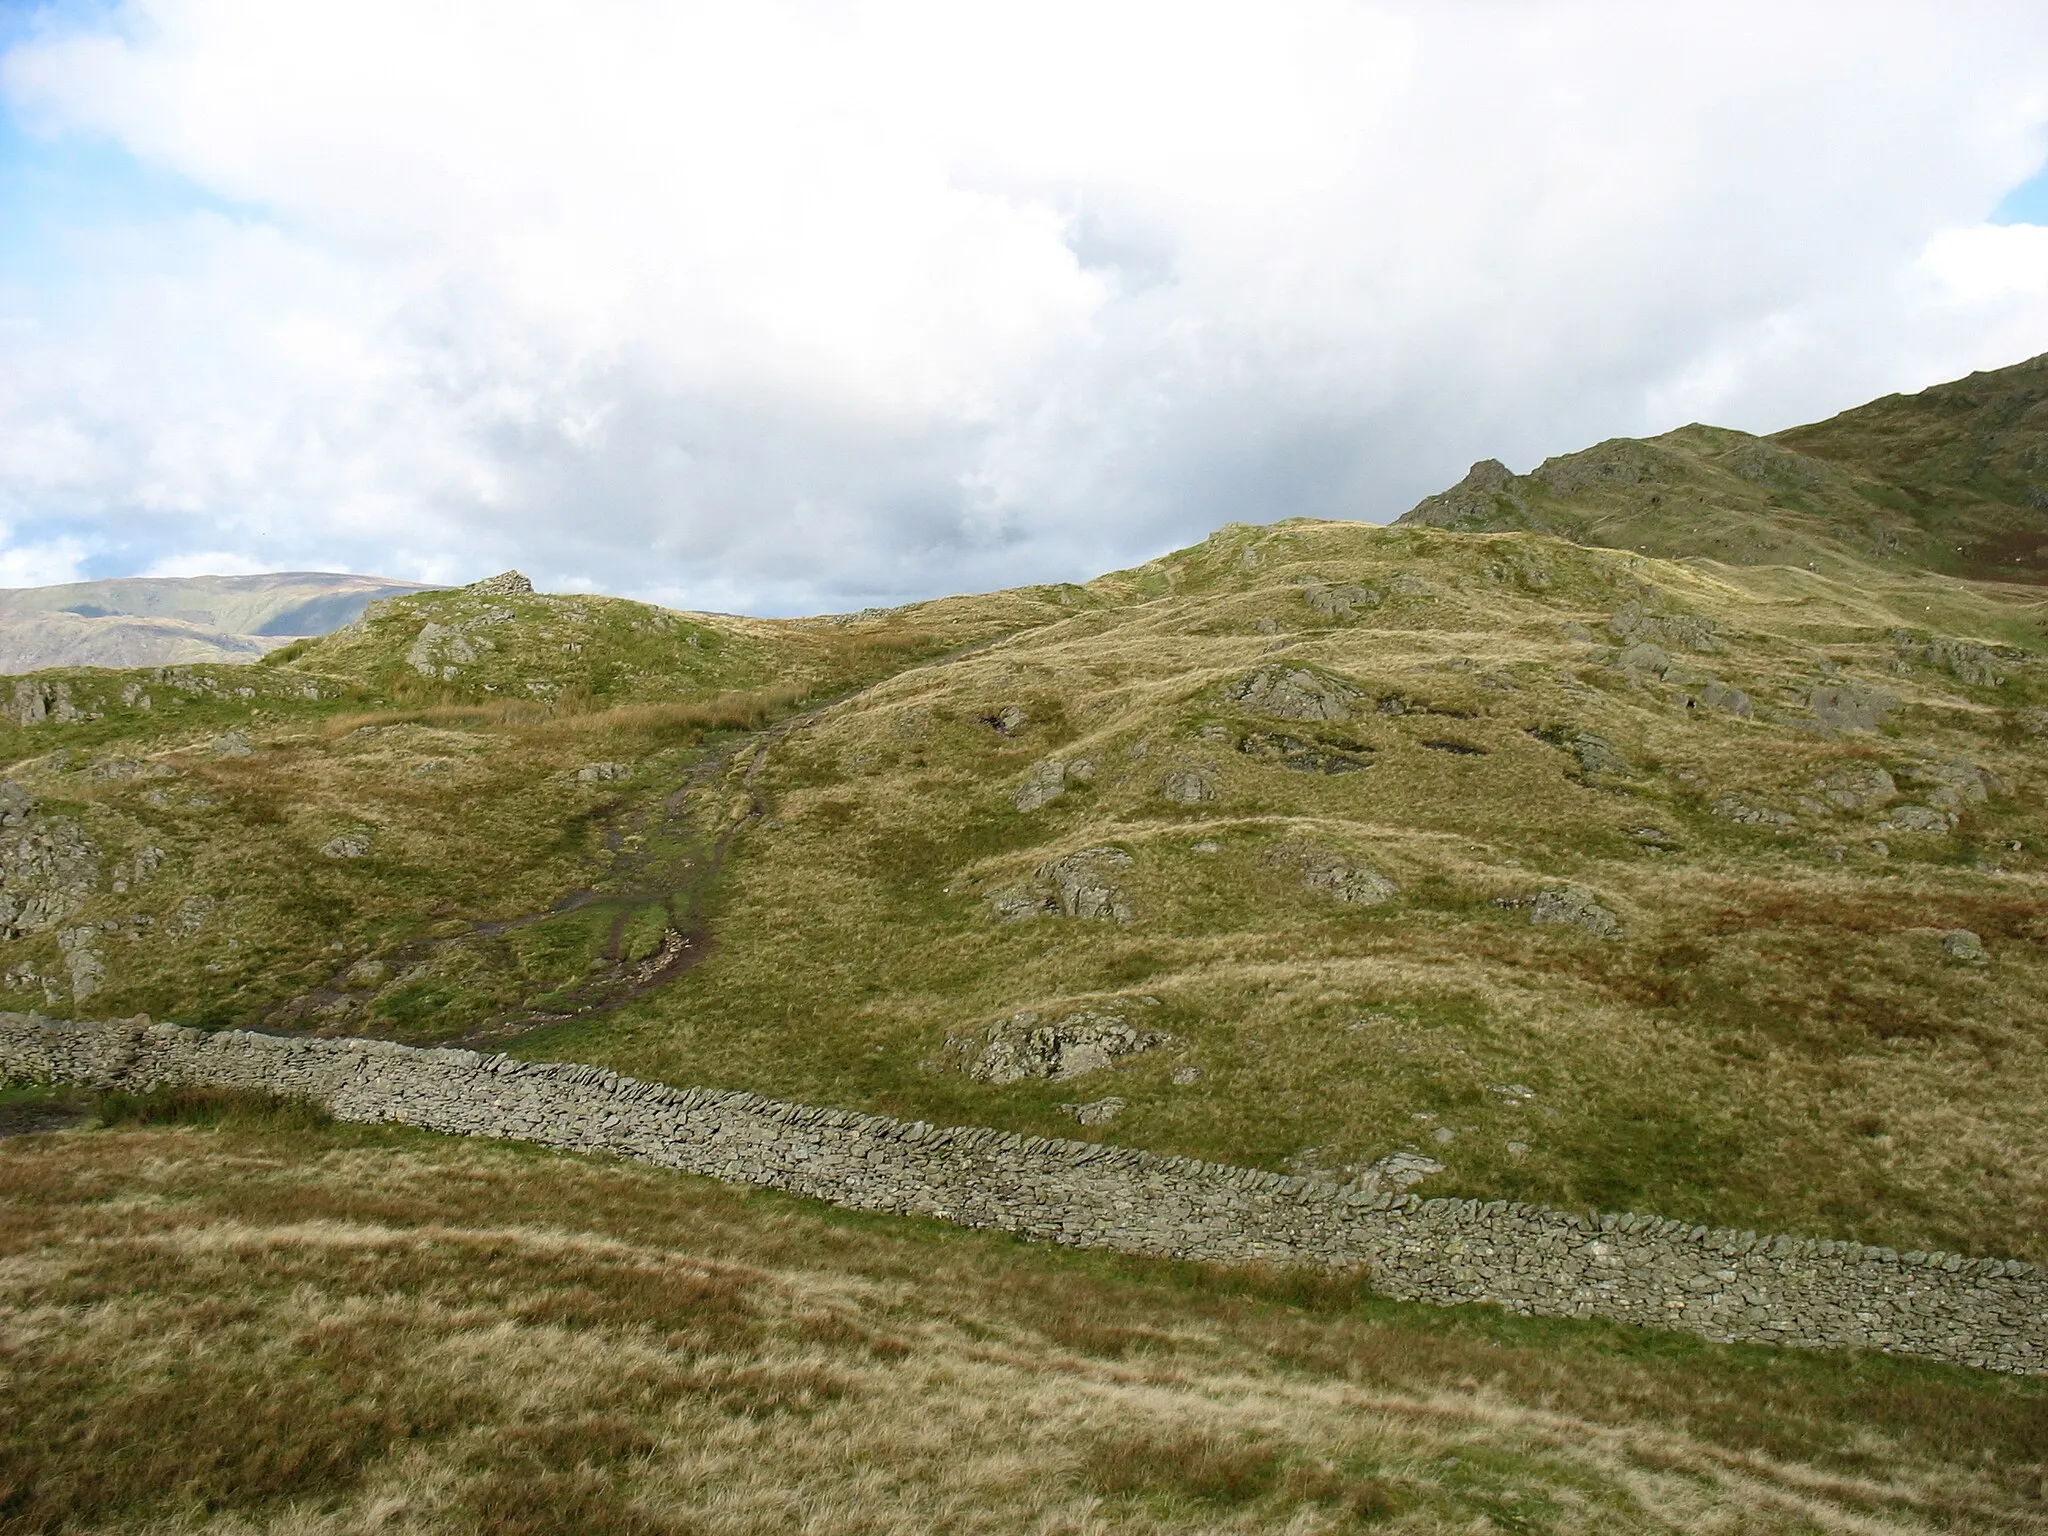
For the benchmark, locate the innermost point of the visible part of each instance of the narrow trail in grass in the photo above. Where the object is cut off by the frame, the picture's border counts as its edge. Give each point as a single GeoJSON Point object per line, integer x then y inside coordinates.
{"type": "Point", "coordinates": [661, 857]}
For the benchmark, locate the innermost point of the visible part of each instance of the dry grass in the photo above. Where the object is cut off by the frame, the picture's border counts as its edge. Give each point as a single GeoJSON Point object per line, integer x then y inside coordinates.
{"type": "Point", "coordinates": [1775, 1041]}
{"type": "Point", "coordinates": [265, 1325]}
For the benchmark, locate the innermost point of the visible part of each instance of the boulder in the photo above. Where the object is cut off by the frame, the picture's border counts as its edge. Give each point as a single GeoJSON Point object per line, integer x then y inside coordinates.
{"type": "Point", "coordinates": [1189, 786]}
{"type": "Point", "coordinates": [1857, 787]}
{"type": "Point", "coordinates": [1082, 884]}
{"type": "Point", "coordinates": [1961, 944]}
{"type": "Point", "coordinates": [1010, 720]}
{"type": "Point", "coordinates": [348, 845]}
{"type": "Point", "coordinates": [1397, 1173]}
{"type": "Point", "coordinates": [1099, 1112]}
{"type": "Point", "coordinates": [1042, 785]}
{"type": "Point", "coordinates": [1027, 1046]}
{"type": "Point", "coordinates": [1847, 707]}
{"type": "Point", "coordinates": [1330, 873]}
{"type": "Point", "coordinates": [1717, 695]}
{"type": "Point", "coordinates": [1293, 693]}
{"type": "Point", "coordinates": [1568, 905]}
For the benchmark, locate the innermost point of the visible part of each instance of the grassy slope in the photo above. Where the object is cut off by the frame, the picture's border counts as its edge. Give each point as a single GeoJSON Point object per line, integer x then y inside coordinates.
{"type": "Point", "coordinates": [1774, 1040]}
{"type": "Point", "coordinates": [335, 838]}
{"type": "Point", "coordinates": [268, 1324]}
{"type": "Point", "coordinates": [1952, 480]}
{"type": "Point", "coordinates": [1967, 460]}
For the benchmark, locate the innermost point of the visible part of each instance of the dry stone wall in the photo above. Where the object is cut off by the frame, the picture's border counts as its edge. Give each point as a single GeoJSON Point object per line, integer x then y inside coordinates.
{"type": "Point", "coordinates": [1721, 1284]}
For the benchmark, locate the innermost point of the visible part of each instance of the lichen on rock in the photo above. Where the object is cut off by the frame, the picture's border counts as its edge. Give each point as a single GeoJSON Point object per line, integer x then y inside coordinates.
{"type": "Point", "coordinates": [1293, 693]}
{"type": "Point", "coordinates": [1568, 905]}
{"type": "Point", "coordinates": [1027, 1046]}
{"type": "Point", "coordinates": [1329, 872]}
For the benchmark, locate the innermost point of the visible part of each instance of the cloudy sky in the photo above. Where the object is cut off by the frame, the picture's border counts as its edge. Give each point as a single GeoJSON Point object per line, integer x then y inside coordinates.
{"type": "Point", "coordinates": [785, 307]}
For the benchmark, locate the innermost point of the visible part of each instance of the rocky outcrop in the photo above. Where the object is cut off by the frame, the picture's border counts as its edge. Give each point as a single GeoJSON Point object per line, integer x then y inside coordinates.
{"type": "Point", "coordinates": [47, 867]}
{"type": "Point", "coordinates": [504, 584]}
{"type": "Point", "coordinates": [1043, 783]}
{"type": "Point", "coordinates": [1857, 787]}
{"type": "Point", "coordinates": [1329, 872]}
{"type": "Point", "coordinates": [441, 650]}
{"type": "Point", "coordinates": [1845, 707]}
{"type": "Point", "coordinates": [1568, 906]}
{"type": "Point", "coordinates": [1718, 1283]}
{"type": "Point", "coordinates": [1027, 1045]}
{"type": "Point", "coordinates": [1078, 885]}
{"type": "Point", "coordinates": [1303, 756]}
{"type": "Point", "coordinates": [1293, 693]}
{"type": "Point", "coordinates": [1188, 785]}
{"type": "Point", "coordinates": [1635, 624]}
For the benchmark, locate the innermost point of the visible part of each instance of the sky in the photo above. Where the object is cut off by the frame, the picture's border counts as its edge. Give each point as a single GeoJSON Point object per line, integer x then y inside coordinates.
{"type": "Point", "coordinates": [795, 306]}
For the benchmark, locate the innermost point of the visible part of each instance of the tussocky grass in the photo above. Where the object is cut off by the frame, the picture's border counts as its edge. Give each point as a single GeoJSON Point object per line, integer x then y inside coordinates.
{"type": "Point", "coordinates": [219, 1315]}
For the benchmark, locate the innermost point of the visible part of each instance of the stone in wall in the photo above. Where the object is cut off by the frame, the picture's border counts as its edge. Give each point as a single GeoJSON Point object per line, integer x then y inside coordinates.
{"type": "Point", "coordinates": [1717, 1283]}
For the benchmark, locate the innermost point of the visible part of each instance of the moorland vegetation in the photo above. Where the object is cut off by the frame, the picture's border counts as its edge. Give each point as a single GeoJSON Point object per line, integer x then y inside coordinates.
{"type": "Point", "coordinates": [1662, 830]}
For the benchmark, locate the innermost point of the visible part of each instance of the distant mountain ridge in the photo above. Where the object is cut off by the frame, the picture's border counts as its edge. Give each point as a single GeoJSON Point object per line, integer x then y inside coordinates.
{"type": "Point", "coordinates": [143, 621]}
{"type": "Point", "coordinates": [1953, 479]}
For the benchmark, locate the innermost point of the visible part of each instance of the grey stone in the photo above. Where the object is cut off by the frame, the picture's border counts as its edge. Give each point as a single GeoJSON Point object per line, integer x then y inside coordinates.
{"type": "Point", "coordinates": [504, 584]}
{"type": "Point", "coordinates": [1025, 1045]}
{"type": "Point", "coordinates": [1847, 707]}
{"type": "Point", "coordinates": [1734, 808]}
{"type": "Point", "coordinates": [1961, 944]}
{"type": "Point", "coordinates": [1043, 784]}
{"type": "Point", "coordinates": [1082, 887]}
{"type": "Point", "coordinates": [1922, 818]}
{"type": "Point", "coordinates": [603, 773]}
{"type": "Point", "coordinates": [1098, 1112]}
{"type": "Point", "coordinates": [1293, 693]}
{"type": "Point", "coordinates": [1720, 696]}
{"type": "Point", "coordinates": [1635, 623]}
{"type": "Point", "coordinates": [1399, 1172]}
{"type": "Point", "coordinates": [1858, 787]}
{"type": "Point", "coordinates": [1597, 755]}
{"type": "Point", "coordinates": [48, 869]}
{"type": "Point", "coordinates": [1189, 786]}
{"type": "Point", "coordinates": [347, 845]}
{"type": "Point", "coordinates": [1645, 658]}
{"type": "Point", "coordinates": [1568, 905]}
{"type": "Point", "coordinates": [1329, 872]}
{"type": "Point", "coordinates": [1341, 603]}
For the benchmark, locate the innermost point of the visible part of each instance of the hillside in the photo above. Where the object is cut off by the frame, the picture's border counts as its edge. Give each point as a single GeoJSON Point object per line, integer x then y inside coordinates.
{"type": "Point", "coordinates": [228, 1317]}
{"type": "Point", "coordinates": [1951, 480]}
{"type": "Point", "coordinates": [176, 620]}
{"type": "Point", "coordinates": [1494, 865]}
{"type": "Point", "coordinates": [470, 807]}
{"type": "Point", "coordinates": [1661, 832]}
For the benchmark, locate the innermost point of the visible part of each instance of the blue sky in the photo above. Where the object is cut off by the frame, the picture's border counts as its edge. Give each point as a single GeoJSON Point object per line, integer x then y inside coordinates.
{"type": "Point", "coordinates": [2026, 203]}
{"type": "Point", "coordinates": [782, 308]}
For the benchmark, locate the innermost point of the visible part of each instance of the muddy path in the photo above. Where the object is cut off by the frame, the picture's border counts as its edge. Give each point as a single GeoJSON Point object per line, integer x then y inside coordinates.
{"type": "Point", "coordinates": [662, 857]}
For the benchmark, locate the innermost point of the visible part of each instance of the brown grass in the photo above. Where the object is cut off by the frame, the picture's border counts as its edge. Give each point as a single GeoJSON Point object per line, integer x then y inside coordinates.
{"type": "Point", "coordinates": [256, 1325]}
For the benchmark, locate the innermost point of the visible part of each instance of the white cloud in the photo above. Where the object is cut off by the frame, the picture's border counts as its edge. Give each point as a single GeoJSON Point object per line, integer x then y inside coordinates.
{"type": "Point", "coordinates": [40, 564]}
{"type": "Point", "coordinates": [796, 305]}
{"type": "Point", "coordinates": [218, 562]}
